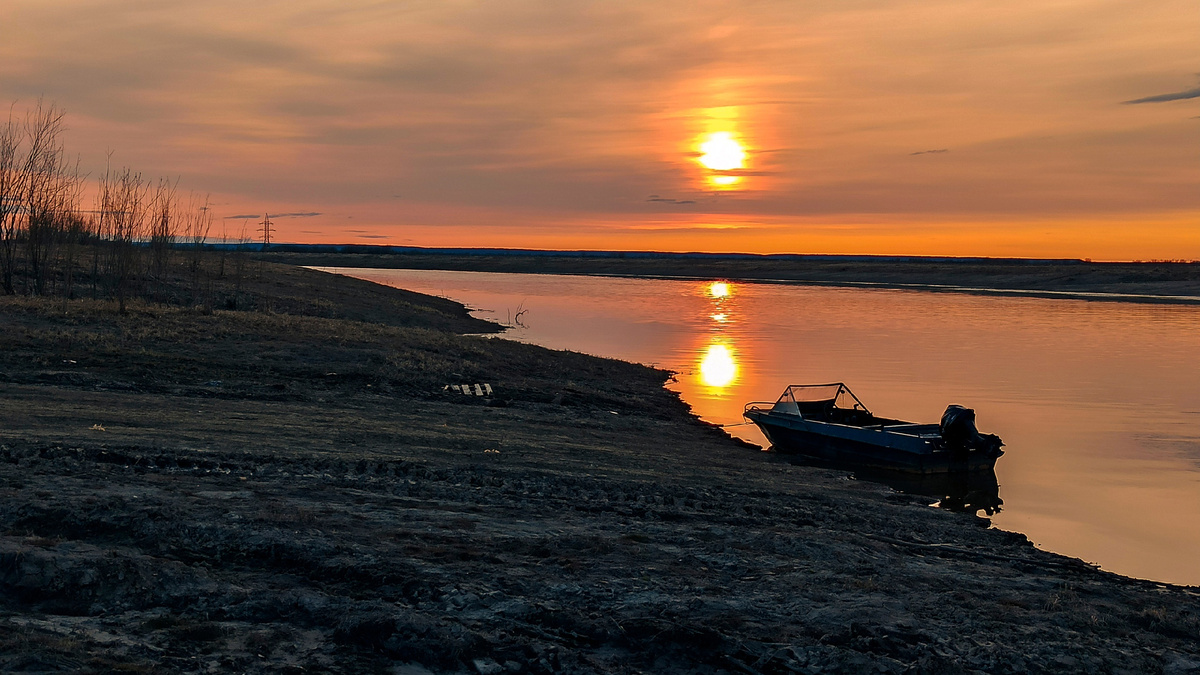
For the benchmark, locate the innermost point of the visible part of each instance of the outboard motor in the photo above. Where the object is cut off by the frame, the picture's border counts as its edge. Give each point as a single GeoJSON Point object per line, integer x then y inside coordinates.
{"type": "Point", "coordinates": [958, 431]}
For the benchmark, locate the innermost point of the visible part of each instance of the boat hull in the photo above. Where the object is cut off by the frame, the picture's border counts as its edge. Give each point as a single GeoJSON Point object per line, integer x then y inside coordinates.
{"type": "Point", "coordinates": [877, 448]}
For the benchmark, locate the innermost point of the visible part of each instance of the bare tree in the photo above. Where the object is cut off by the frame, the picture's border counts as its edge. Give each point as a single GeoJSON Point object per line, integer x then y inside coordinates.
{"type": "Point", "coordinates": [11, 188]}
{"type": "Point", "coordinates": [77, 230]}
{"type": "Point", "coordinates": [124, 209]}
{"type": "Point", "coordinates": [223, 249]}
{"type": "Point", "coordinates": [102, 223]}
{"type": "Point", "coordinates": [239, 263]}
{"type": "Point", "coordinates": [199, 221]}
{"type": "Point", "coordinates": [199, 225]}
{"type": "Point", "coordinates": [51, 191]}
{"type": "Point", "coordinates": [131, 231]}
{"type": "Point", "coordinates": [33, 189]}
{"type": "Point", "coordinates": [164, 209]}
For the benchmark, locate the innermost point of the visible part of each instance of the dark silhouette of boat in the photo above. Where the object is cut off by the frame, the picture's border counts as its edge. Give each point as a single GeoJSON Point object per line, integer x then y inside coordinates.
{"type": "Point", "coordinates": [828, 422]}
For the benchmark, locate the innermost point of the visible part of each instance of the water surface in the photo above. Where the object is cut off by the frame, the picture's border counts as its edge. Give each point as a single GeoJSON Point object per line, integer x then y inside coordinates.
{"type": "Point", "coordinates": [1098, 402]}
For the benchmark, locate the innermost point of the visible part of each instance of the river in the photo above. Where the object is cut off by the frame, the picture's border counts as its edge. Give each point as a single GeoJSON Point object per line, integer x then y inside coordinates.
{"type": "Point", "coordinates": [1098, 402]}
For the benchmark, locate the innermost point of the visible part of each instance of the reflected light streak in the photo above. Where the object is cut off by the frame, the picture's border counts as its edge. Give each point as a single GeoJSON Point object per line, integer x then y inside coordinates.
{"type": "Point", "coordinates": [719, 289]}
{"type": "Point", "coordinates": [720, 318]}
{"type": "Point", "coordinates": [718, 369]}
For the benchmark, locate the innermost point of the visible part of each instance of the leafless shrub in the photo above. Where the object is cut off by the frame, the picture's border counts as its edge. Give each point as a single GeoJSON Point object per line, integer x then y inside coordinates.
{"type": "Point", "coordinates": [12, 178]}
{"type": "Point", "coordinates": [198, 224]}
{"type": "Point", "coordinates": [123, 209]}
{"type": "Point", "coordinates": [51, 191]}
{"type": "Point", "coordinates": [39, 194]}
{"type": "Point", "coordinates": [132, 232]}
{"type": "Point", "coordinates": [164, 208]}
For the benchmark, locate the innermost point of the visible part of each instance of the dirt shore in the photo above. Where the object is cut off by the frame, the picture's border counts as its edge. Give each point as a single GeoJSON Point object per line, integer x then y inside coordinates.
{"type": "Point", "coordinates": [1172, 282]}
{"type": "Point", "coordinates": [196, 490]}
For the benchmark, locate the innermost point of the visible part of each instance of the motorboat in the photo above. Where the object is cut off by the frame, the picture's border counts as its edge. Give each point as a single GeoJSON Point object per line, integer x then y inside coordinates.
{"type": "Point", "coordinates": [828, 422]}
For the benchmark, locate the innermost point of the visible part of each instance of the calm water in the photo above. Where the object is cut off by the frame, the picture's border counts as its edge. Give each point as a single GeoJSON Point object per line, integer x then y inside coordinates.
{"type": "Point", "coordinates": [1098, 402]}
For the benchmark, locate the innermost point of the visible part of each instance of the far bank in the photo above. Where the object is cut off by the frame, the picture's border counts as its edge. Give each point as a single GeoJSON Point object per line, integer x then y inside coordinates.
{"type": "Point", "coordinates": [1164, 282]}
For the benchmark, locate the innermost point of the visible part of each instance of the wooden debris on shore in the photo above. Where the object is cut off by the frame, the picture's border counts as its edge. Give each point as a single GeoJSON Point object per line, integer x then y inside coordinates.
{"type": "Point", "coordinates": [470, 389]}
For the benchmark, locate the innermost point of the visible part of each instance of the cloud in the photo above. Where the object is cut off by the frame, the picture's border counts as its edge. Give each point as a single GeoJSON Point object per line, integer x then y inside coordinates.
{"type": "Point", "coordinates": [1162, 98]}
{"type": "Point", "coordinates": [373, 236]}
{"type": "Point", "coordinates": [668, 200]}
{"type": "Point", "coordinates": [304, 214]}
{"type": "Point", "coordinates": [540, 112]}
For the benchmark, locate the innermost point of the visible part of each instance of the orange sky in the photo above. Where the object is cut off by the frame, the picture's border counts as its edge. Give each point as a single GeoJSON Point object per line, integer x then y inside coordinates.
{"type": "Point", "coordinates": [942, 127]}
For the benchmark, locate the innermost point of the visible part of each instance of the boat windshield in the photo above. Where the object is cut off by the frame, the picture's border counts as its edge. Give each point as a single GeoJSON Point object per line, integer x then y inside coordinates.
{"type": "Point", "coordinates": [813, 397]}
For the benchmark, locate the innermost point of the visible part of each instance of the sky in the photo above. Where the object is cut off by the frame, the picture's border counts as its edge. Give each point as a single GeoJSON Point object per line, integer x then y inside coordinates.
{"type": "Point", "coordinates": [1047, 128]}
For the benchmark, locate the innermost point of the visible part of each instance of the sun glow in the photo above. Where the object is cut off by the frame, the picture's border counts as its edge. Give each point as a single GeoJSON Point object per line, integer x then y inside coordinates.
{"type": "Point", "coordinates": [718, 368]}
{"type": "Point", "coordinates": [721, 152]}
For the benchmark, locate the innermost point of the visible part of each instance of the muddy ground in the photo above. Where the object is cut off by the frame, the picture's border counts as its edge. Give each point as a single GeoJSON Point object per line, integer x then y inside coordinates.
{"type": "Point", "coordinates": [231, 491]}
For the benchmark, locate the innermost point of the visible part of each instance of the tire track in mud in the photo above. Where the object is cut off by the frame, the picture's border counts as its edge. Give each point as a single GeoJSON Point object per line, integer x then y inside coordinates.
{"type": "Point", "coordinates": [230, 560]}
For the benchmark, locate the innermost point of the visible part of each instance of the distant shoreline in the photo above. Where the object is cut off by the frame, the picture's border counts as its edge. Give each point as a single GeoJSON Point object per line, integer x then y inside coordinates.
{"type": "Point", "coordinates": [381, 249]}
{"type": "Point", "coordinates": [1155, 282]}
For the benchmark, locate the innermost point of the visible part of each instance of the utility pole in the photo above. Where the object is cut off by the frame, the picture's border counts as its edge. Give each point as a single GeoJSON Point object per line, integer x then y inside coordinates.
{"type": "Point", "coordinates": [266, 230]}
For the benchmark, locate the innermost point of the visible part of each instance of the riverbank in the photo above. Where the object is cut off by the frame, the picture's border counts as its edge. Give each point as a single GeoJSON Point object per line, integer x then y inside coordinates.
{"type": "Point", "coordinates": [294, 489]}
{"type": "Point", "coordinates": [1164, 282]}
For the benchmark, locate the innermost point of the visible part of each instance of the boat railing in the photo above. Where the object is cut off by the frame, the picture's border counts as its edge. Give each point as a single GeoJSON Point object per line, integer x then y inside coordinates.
{"type": "Point", "coordinates": [758, 405]}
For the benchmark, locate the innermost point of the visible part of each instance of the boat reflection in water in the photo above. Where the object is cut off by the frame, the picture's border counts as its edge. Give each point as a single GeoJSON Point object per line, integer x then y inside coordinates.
{"type": "Point", "coordinates": [970, 492]}
{"type": "Point", "coordinates": [966, 491]}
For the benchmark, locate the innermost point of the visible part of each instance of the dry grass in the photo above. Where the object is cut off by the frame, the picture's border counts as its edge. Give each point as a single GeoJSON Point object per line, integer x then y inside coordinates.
{"type": "Point", "coordinates": [244, 353]}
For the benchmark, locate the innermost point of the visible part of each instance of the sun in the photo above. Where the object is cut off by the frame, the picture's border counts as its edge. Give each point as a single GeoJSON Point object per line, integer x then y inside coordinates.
{"type": "Point", "coordinates": [721, 152]}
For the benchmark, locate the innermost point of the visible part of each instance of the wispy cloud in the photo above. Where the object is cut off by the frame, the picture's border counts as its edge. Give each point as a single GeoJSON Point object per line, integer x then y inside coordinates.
{"type": "Point", "coordinates": [668, 200]}
{"type": "Point", "coordinates": [515, 117]}
{"type": "Point", "coordinates": [1162, 98]}
{"type": "Point", "coordinates": [304, 214]}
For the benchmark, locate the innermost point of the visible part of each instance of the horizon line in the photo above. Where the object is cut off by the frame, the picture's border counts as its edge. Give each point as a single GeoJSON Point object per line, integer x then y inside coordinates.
{"type": "Point", "coordinates": [387, 249]}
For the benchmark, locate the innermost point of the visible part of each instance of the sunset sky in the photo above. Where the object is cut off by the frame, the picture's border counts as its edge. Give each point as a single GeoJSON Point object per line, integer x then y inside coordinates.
{"type": "Point", "coordinates": [1055, 128]}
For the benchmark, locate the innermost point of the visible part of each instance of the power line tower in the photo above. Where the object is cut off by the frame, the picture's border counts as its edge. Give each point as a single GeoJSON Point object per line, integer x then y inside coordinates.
{"type": "Point", "coordinates": [266, 230]}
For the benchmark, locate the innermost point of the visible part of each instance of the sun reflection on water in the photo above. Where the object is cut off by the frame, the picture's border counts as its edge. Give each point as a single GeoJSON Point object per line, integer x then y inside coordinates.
{"type": "Point", "coordinates": [718, 367]}
{"type": "Point", "coordinates": [718, 359]}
